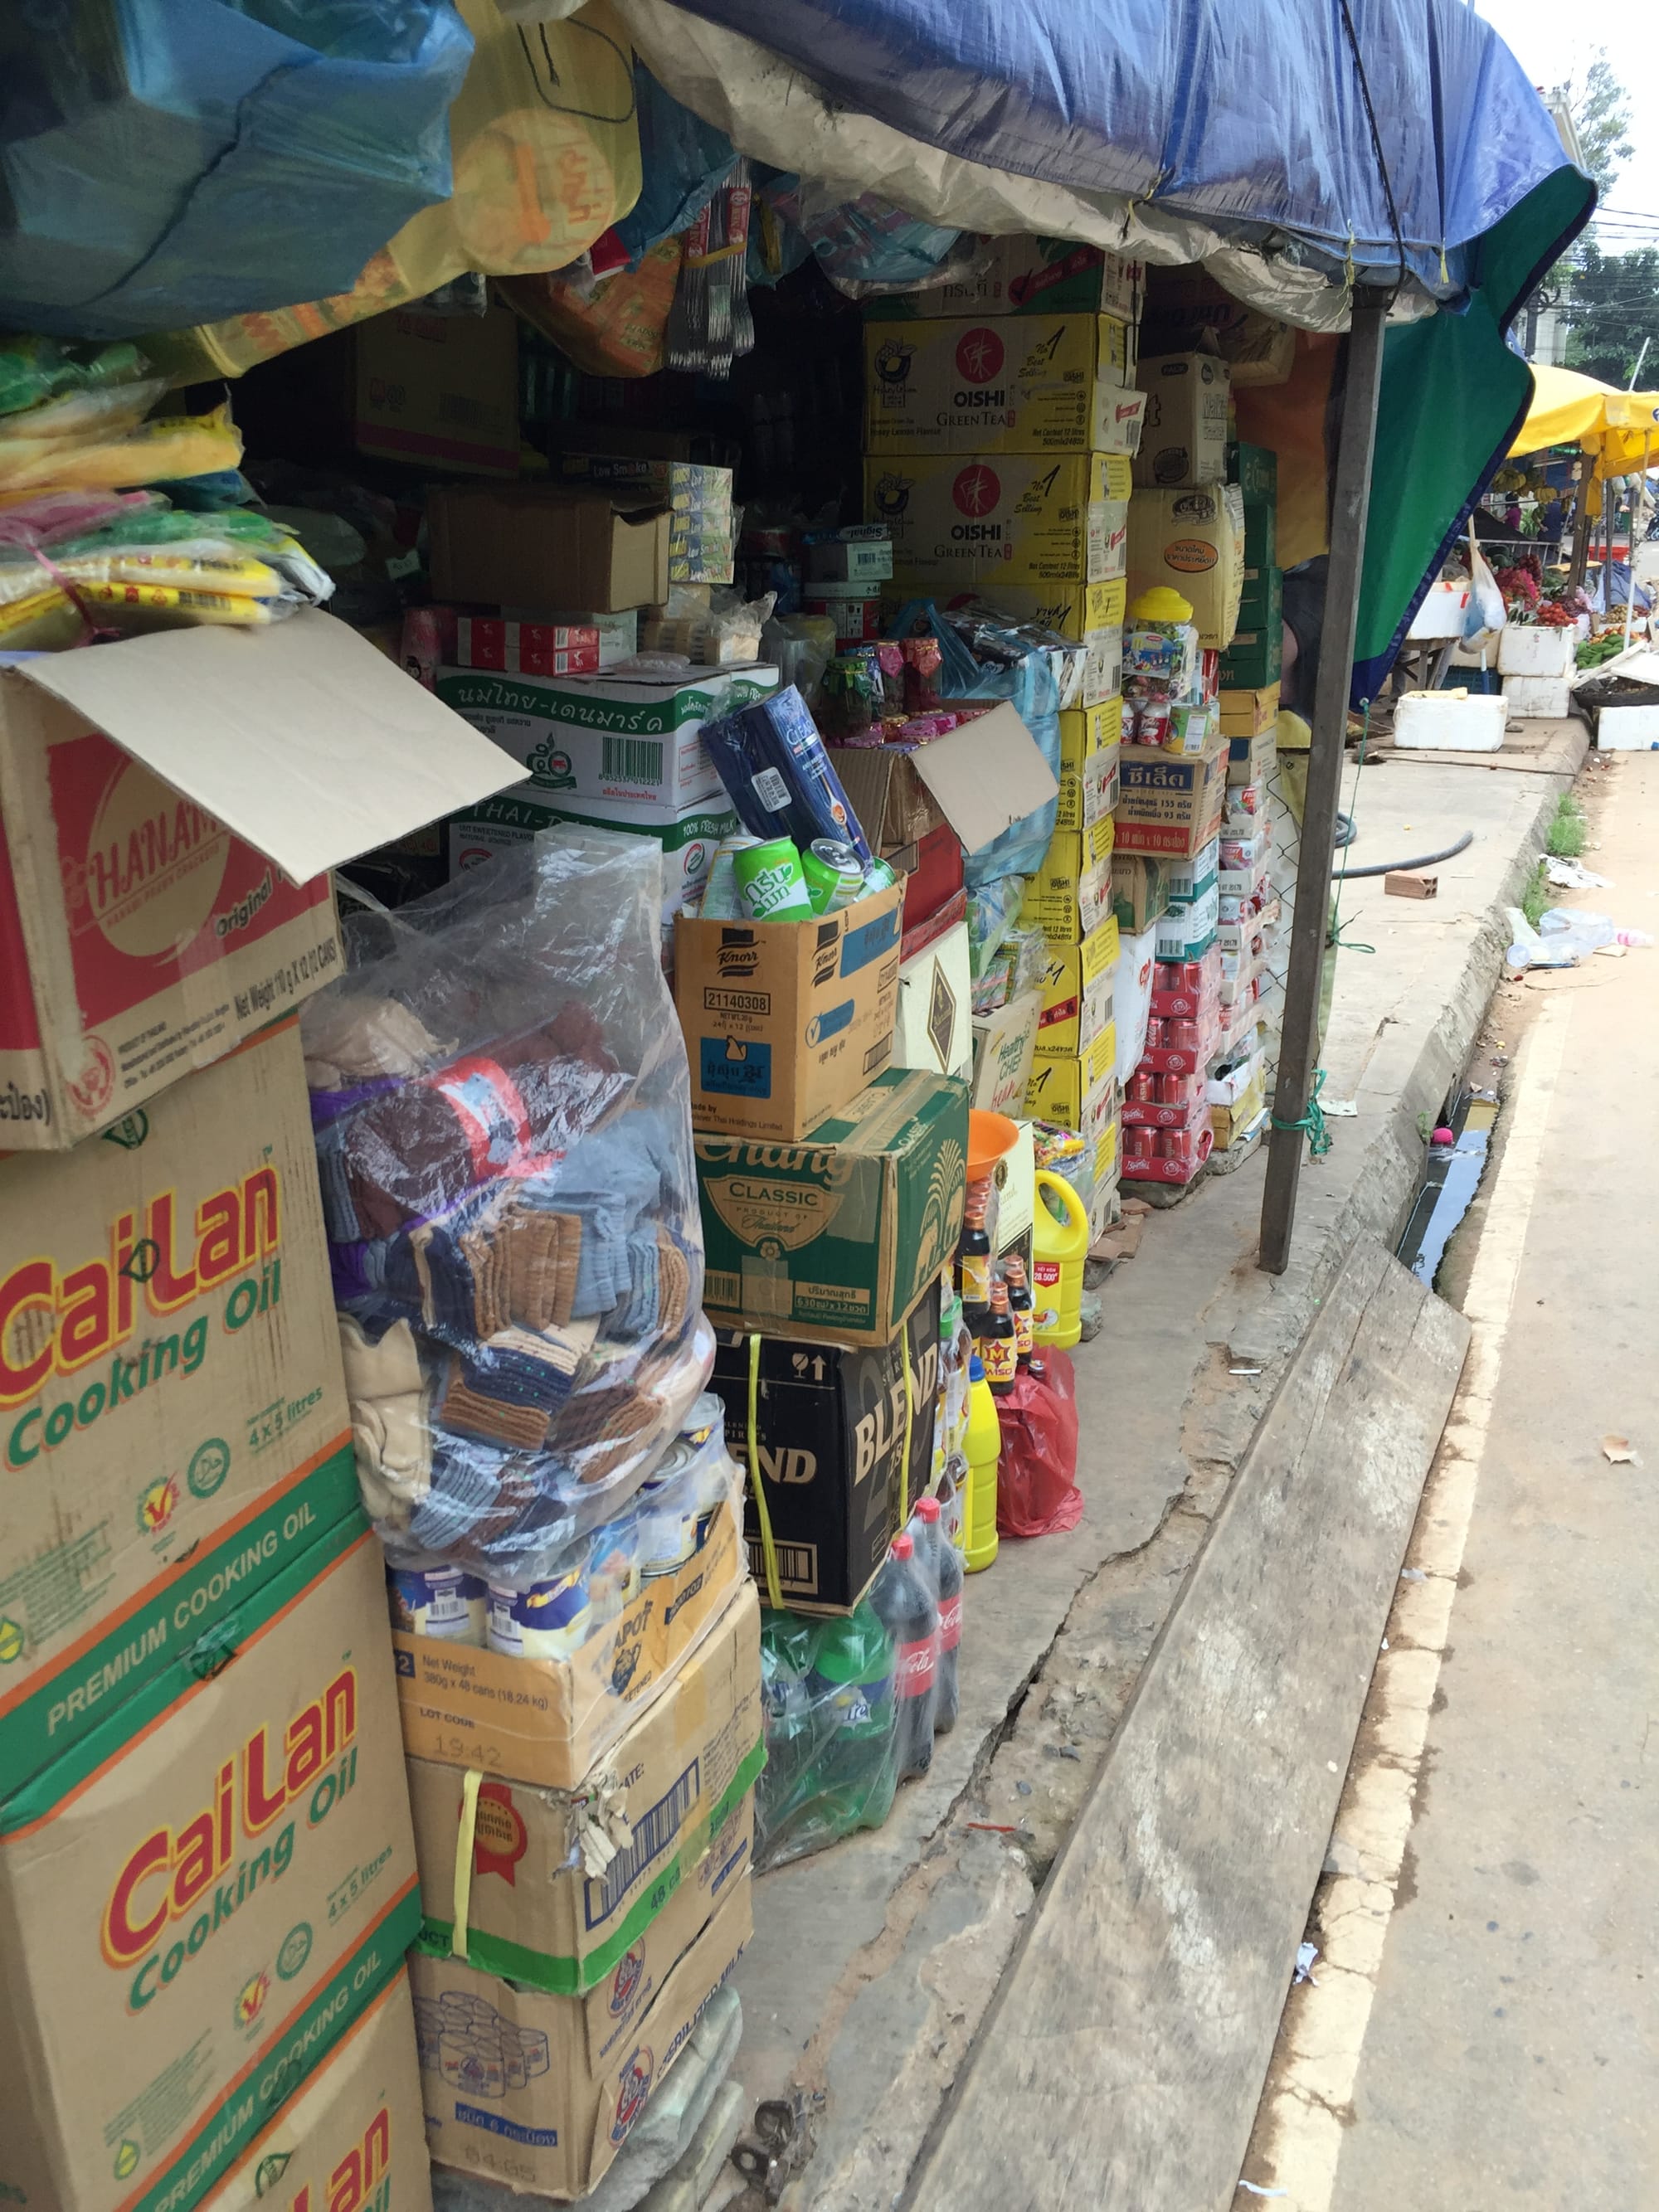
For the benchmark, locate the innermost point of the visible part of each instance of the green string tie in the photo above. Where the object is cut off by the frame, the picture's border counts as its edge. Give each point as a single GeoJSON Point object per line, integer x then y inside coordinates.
{"type": "Point", "coordinates": [1319, 1135]}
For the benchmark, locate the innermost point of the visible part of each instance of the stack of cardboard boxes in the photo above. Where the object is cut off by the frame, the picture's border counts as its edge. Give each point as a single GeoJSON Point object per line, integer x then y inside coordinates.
{"type": "Point", "coordinates": [584, 1828]}
{"type": "Point", "coordinates": [831, 1184]}
{"type": "Point", "coordinates": [207, 1875]}
{"type": "Point", "coordinates": [1001, 420]}
{"type": "Point", "coordinates": [595, 744]}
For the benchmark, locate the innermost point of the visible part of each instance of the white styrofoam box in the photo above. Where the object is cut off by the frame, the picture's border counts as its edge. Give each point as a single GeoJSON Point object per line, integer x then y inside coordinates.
{"type": "Point", "coordinates": [1628, 730]}
{"type": "Point", "coordinates": [1535, 652]}
{"type": "Point", "coordinates": [1132, 996]}
{"type": "Point", "coordinates": [1539, 698]}
{"type": "Point", "coordinates": [1450, 721]}
{"type": "Point", "coordinates": [1441, 613]}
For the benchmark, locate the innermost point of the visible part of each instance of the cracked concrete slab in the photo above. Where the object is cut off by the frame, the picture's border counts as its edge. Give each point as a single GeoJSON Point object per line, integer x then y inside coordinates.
{"type": "Point", "coordinates": [844, 1985]}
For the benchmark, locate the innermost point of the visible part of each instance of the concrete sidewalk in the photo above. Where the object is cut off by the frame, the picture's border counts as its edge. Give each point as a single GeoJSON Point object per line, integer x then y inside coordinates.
{"type": "Point", "coordinates": [872, 1965]}
{"type": "Point", "coordinates": [1485, 2026]}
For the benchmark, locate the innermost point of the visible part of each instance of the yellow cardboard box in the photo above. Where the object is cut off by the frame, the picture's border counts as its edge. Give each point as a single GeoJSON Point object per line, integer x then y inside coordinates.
{"type": "Point", "coordinates": [1089, 793]}
{"type": "Point", "coordinates": [1249, 714]}
{"type": "Point", "coordinates": [1194, 540]}
{"type": "Point", "coordinates": [353, 2139]}
{"type": "Point", "coordinates": [1008, 518]}
{"type": "Point", "coordinates": [1045, 384]}
{"type": "Point", "coordinates": [1077, 996]}
{"type": "Point", "coordinates": [1061, 1090]}
{"type": "Point", "coordinates": [1072, 893]}
{"type": "Point", "coordinates": [1075, 608]}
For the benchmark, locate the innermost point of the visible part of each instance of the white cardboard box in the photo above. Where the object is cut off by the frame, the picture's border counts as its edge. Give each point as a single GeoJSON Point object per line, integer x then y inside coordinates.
{"type": "Point", "coordinates": [936, 1007]}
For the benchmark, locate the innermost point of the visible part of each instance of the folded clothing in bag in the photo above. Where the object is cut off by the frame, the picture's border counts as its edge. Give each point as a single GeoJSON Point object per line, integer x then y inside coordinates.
{"type": "Point", "coordinates": [501, 1111]}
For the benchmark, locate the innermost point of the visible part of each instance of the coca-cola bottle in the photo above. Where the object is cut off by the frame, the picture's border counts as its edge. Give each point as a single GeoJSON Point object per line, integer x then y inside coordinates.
{"type": "Point", "coordinates": [902, 1599]}
{"type": "Point", "coordinates": [946, 1573]}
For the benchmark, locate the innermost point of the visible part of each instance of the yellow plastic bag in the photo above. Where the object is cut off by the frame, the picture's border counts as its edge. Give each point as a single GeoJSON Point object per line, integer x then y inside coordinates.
{"type": "Point", "coordinates": [117, 452]}
{"type": "Point", "coordinates": [546, 147]}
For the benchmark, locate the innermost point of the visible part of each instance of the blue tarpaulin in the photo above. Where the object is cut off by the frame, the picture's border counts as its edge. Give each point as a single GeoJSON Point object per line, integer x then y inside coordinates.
{"type": "Point", "coordinates": [1246, 114]}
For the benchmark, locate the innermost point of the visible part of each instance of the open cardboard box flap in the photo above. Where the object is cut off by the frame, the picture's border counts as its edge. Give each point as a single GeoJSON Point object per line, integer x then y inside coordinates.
{"type": "Point", "coordinates": [303, 738]}
{"type": "Point", "coordinates": [987, 776]}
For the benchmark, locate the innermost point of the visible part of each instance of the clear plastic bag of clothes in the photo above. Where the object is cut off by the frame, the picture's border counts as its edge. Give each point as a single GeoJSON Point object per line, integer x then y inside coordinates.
{"type": "Point", "coordinates": [502, 1116]}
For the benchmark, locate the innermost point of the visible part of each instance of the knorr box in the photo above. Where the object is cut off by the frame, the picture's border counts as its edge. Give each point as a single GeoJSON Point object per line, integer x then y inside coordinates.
{"type": "Point", "coordinates": [1013, 518]}
{"type": "Point", "coordinates": [197, 1900]}
{"type": "Point", "coordinates": [1047, 384]}
{"type": "Point", "coordinates": [352, 2138]}
{"type": "Point", "coordinates": [630, 742]}
{"type": "Point", "coordinates": [542, 2093]}
{"type": "Point", "coordinates": [170, 807]}
{"type": "Point", "coordinates": [549, 1721]}
{"type": "Point", "coordinates": [785, 1021]}
{"type": "Point", "coordinates": [542, 1906]}
{"type": "Point", "coordinates": [174, 1426]}
{"type": "Point", "coordinates": [835, 1239]}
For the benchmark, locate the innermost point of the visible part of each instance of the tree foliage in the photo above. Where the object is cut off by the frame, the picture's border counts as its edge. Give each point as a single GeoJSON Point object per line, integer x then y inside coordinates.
{"type": "Point", "coordinates": [1615, 305]}
{"type": "Point", "coordinates": [1600, 107]}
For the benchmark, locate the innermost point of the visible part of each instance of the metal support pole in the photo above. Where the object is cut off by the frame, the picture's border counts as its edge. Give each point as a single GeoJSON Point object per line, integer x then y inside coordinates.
{"type": "Point", "coordinates": [1299, 1048]}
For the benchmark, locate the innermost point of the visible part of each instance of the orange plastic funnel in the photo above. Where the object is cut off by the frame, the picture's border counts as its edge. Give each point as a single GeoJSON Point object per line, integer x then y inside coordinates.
{"type": "Point", "coordinates": [989, 1136]}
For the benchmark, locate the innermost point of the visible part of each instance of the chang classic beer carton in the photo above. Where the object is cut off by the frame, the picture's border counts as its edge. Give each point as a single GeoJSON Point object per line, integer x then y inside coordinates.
{"type": "Point", "coordinates": [170, 807]}
{"type": "Point", "coordinates": [173, 1417]}
{"type": "Point", "coordinates": [199, 1898]}
{"type": "Point", "coordinates": [352, 2138]}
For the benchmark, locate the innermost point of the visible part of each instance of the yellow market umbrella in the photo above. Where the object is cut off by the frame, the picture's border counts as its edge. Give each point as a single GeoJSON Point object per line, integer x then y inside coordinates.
{"type": "Point", "coordinates": [1617, 429]}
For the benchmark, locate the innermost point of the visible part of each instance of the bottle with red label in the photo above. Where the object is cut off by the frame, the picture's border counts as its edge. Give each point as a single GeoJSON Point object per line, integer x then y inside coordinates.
{"type": "Point", "coordinates": [902, 1599]}
{"type": "Point", "coordinates": [997, 1343]}
{"type": "Point", "coordinates": [945, 1571]}
{"type": "Point", "coordinates": [1021, 1304]}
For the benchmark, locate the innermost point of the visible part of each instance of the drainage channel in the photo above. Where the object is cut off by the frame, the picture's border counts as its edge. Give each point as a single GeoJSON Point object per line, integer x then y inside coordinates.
{"type": "Point", "coordinates": [1451, 1176]}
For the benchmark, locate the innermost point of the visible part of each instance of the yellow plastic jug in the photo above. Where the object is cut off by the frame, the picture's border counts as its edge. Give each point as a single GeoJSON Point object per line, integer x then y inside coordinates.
{"type": "Point", "coordinates": [1059, 1242]}
{"type": "Point", "coordinates": [984, 1448]}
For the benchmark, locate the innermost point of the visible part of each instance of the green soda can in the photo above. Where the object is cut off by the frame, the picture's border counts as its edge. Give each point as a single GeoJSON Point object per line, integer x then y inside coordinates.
{"type": "Point", "coordinates": [834, 876]}
{"type": "Point", "coordinates": [771, 882]}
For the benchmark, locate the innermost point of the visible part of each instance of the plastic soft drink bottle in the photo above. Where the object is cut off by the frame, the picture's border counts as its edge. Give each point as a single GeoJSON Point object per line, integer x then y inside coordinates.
{"type": "Point", "coordinates": [855, 1771]}
{"type": "Point", "coordinates": [903, 1601]}
{"type": "Point", "coordinates": [945, 1568]}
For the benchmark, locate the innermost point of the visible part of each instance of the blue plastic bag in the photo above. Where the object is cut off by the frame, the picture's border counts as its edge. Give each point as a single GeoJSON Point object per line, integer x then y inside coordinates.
{"type": "Point", "coordinates": [683, 163]}
{"type": "Point", "coordinates": [1030, 688]}
{"type": "Point", "coordinates": [169, 162]}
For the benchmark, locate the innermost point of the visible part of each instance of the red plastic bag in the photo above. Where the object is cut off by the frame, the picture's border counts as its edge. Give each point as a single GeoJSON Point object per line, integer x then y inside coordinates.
{"type": "Point", "coordinates": [1037, 1474]}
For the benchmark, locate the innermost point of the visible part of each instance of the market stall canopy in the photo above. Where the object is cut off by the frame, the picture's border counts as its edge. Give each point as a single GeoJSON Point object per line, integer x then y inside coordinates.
{"type": "Point", "coordinates": [1246, 137]}
{"type": "Point", "coordinates": [1618, 429]}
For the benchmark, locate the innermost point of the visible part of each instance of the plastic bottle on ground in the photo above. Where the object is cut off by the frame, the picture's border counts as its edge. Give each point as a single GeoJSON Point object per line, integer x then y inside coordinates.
{"type": "Point", "coordinates": [903, 1601]}
{"type": "Point", "coordinates": [984, 1446]}
{"type": "Point", "coordinates": [945, 1567]}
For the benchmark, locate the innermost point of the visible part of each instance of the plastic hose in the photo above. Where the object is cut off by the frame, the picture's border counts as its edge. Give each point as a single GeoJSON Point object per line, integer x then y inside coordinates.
{"type": "Point", "coordinates": [1422, 860]}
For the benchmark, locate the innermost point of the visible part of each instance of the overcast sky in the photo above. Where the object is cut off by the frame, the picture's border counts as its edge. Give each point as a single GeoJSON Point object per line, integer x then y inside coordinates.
{"type": "Point", "coordinates": [1549, 50]}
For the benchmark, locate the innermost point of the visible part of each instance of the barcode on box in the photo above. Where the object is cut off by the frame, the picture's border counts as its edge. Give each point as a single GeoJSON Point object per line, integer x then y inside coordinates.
{"type": "Point", "coordinates": [631, 760]}
{"type": "Point", "coordinates": [798, 1565]}
{"type": "Point", "coordinates": [722, 1288]}
{"type": "Point", "coordinates": [653, 1831]}
{"type": "Point", "coordinates": [767, 1289]}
